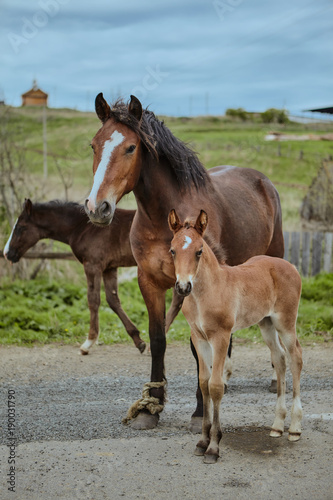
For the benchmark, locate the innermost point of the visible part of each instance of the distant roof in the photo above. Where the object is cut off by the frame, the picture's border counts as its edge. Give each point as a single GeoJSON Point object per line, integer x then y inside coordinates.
{"type": "Point", "coordinates": [35, 92]}
{"type": "Point", "coordinates": [328, 110]}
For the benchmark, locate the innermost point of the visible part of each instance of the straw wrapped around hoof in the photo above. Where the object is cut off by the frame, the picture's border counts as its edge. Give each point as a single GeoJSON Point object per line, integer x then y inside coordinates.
{"type": "Point", "coordinates": [146, 404]}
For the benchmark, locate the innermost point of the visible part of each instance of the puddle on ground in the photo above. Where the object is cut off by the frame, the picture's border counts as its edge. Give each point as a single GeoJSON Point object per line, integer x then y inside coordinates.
{"type": "Point", "coordinates": [252, 440]}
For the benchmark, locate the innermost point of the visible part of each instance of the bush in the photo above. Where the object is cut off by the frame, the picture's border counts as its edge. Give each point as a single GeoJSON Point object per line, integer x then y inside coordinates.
{"type": "Point", "coordinates": [237, 113]}
{"type": "Point", "coordinates": [273, 115]}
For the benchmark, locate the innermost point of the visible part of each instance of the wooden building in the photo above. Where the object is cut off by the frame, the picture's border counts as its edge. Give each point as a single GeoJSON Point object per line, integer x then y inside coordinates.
{"type": "Point", "coordinates": [34, 97]}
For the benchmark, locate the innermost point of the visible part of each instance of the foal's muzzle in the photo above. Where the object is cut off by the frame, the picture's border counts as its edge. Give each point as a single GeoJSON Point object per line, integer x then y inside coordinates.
{"type": "Point", "coordinates": [103, 214]}
{"type": "Point", "coordinates": [183, 289]}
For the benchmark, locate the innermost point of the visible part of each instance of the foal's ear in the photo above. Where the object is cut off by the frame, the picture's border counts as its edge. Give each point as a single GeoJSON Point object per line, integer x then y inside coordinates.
{"type": "Point", "coordinates": [174, 222]}
{"type": "Point", "coordinates": [135, 107]}
{"type": "Point", "coordinates": [27, 206]}
{"type": "Point", "coordinates": [102, 108]}
{"type": "Point", "coordinates": [201, 223]}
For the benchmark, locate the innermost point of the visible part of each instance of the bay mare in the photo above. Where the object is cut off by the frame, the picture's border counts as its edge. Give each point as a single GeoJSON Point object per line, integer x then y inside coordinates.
{"type": "Point", "coordinates": [101, 250]}
{"type": "Point", "coordinates": [134, 151]}
{"type": "Point", "coordinates": [220, 300]}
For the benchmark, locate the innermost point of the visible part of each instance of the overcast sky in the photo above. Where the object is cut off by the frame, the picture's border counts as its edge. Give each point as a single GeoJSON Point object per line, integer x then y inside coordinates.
{"type": "Point", "coordinates": [181, 57]}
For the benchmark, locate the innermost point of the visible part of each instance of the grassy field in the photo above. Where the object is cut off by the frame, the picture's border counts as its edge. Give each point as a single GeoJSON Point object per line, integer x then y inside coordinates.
{"type": "Point", "coordinates": [47, 310]}
{"type": "Point", "coordinates": [53, 307]}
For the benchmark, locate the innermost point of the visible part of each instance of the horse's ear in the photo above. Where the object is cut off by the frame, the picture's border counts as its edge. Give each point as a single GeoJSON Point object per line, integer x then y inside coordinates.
{"type": "Point", "coordinates": [201, 223]}
{"type": "Point", "coordinates": [135, 107]}
{"type": "Point", "coordinates": [27, 206]}
{"type": "Point", "coordinates": [174, 222]}
{"type": "Point", "coordinates": [102, 108]}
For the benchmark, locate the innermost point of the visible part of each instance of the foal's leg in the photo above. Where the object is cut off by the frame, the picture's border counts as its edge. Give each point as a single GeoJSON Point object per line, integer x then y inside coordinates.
{"type": "Point", "coordinates": [111, 292]}
{"type": "Point", "coordinates": [154, 298]}
{"type": "Point", "coordinates": [270, 336]}
{"type": "Point", "coordinates": [204, 352]}
{"type": "Point", "coordinates": [294, 351]}
{"type": "Point", "coordinates": [93, 276]}
{"type": "Point", "coordinates": [216, 391]}
{"type": "Point", "coordinates": [196, 418]}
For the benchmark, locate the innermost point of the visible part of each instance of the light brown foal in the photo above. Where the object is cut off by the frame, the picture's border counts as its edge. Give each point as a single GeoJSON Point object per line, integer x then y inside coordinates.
{"type": "Point", "coordinates": [222, 299]}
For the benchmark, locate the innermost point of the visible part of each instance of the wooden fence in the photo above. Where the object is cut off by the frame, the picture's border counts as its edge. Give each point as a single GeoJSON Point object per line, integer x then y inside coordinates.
{"type": "Point", "coordinates": [311, 253]}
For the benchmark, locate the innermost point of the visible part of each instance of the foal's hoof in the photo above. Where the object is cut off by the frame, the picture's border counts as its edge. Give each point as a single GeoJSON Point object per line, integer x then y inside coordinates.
{"type": "Point", "coordinates": [142, 346]}
{"type": "Point", "coordinates": [199, 452]}
{"type": "Point", "coordinates": [83, 352]}
{"type": "Point", "coordinates": [275, 433]}
{"type": "Point", "coordinates": [273, 386]}
{"type": "Point", "coordinates": [145, 421]}
{"type": "Point", "coordinates": [294, 436]}
{"type": "Point", "coordinates": [196, 425]}
{"type": "Point", "coordinates": [210, 459]}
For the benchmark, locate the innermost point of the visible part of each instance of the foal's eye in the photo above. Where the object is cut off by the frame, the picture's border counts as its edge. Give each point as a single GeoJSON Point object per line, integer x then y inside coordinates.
{"type": "Point", "coordinates": [198, 253]}
{"type": "Point", "coordinates": [92, 147]}
{"type": "Point", "coordinates": [131, 148]}
{"type": "Point", "coordinates": [173, 253]}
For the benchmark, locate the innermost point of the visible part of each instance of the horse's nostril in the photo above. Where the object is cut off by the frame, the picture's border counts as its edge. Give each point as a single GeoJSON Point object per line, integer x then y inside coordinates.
{"type": "Point", "coordinates": [105, 209]}
{"type": "Point", "coordinates": [188, 288]}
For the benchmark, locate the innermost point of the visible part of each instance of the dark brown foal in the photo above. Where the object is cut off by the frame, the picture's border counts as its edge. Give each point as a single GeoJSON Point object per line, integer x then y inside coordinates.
{"type": "Point", "coordinates": [100, 250]}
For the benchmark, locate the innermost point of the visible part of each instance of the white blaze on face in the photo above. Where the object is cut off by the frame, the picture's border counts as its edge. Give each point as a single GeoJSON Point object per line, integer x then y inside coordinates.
{"type": "Point", "coordinates": [187, 242]}
{"type": "Point", "coordinates": [109, 146]}
{"type": "Point", "coordinates": [6, 249]}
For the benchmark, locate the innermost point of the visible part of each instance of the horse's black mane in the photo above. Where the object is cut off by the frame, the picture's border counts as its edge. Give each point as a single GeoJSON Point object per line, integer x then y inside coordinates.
{"type": "Point", "coordinates": [161, 143]}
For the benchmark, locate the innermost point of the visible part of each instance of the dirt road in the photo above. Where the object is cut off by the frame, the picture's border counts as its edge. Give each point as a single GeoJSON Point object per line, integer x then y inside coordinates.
{"type": "Point", "coordinates": [69, 441]}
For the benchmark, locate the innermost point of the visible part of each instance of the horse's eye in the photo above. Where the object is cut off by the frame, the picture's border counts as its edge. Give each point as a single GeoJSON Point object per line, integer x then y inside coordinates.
{"type": "Point", "coordinates": [92, 147]}
{"type": "Point", "coordinates": [173, 253]}
{"type": "Point", "coordinates": [198, 253]}
{"type": "Point", "coordinates": [131, 148]}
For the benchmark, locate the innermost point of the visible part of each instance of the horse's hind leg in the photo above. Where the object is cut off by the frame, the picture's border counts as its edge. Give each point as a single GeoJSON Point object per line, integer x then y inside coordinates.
{"type": "Point", "coordinates": [111, 292]}
{"type": "Point", "coordinates": [294, 352]}
{"type": "Point", "coordinates": [93, 294]}
{"type": "Point", "coordinates": [270, 336]}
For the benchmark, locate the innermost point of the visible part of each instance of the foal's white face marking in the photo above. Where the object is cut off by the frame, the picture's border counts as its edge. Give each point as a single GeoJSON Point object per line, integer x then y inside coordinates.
{"type": "Point", "coordinates": [187, 242]}
{"type": "Point", "coordinates": [114, 141]}
{"type": "Point", "coordinates": [6, 249]}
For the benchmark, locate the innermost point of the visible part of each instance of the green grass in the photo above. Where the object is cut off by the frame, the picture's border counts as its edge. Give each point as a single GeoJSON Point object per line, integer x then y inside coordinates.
{"type": "Point", "coordinates": [49, 309]}
{"type": "Point", "coordinates": [45, 311]}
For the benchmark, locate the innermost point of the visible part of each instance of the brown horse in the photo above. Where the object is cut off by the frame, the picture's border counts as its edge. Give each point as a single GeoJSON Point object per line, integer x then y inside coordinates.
{"type": "Point", "coordinates": [100, 250]}
{"type": "Point", "coordinates": [222, 299]}
{"type": "Point", "coordinates": [134, 151]}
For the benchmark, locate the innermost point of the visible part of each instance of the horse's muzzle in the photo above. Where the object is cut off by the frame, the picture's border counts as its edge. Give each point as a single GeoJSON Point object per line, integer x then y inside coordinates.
{"type": "Point", "coordinates": [103, 214]}
{"type": "Point", "coordinates": [12, 256]}
{"type": "Point", "coordinates": [183, 289]}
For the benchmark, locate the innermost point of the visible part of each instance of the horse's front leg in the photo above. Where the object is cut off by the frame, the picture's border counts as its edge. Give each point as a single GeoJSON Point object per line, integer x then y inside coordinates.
{"type": "Point", "coordinates": [154, 298]}
{"type": "Point", "coordinates": [110, 278]}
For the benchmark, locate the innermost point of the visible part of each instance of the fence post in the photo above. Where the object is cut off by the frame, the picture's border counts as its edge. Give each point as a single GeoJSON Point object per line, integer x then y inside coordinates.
{"type": "Point", "coordinates": [306, 242]}
{"type": "Point", "coordinates": [286, 245]}
{"type": "Point", "coordinates": [328, 252]}
{"type": "Point", "coordinates": [316, 252]}
{"type": "Point", "coordinates": [295, 247]}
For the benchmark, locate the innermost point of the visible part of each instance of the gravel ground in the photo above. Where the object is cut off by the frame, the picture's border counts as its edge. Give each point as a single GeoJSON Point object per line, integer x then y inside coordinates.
{"type": "Point", "coordinates": [70, 442]}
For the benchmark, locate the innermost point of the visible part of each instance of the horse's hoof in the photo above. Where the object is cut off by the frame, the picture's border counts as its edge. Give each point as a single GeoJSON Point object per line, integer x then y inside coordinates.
{"type": "Point", "coordinates": [142, 346]}
{"type": "Point", "coordinates": [83, 352]}
{"type": "Point", "coordinates": [196, 425]}
{"type": "Point", "coordinates": [210, 459]}
{"type": "Point", "coordinates": [273, 386]}
{"type": "Point", "coordinates": [199, 452]}
{"type": "Point", "coordinates": [275, 433]}
{"type": "Point", "coordinates": [294, 436]}
{"type": "Point", "coordinates": [144, 421]}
